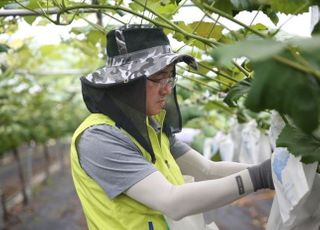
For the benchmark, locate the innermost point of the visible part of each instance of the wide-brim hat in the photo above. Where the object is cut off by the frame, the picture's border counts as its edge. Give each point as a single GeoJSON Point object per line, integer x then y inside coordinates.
{"type": "Point", "coordinates": [135, 51]}
{"type": "Point", "coordinates": [118, 89]}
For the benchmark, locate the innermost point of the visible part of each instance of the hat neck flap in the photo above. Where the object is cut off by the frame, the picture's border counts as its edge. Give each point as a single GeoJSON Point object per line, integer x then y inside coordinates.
{"type": "Point", "coordinates": [124, 104]}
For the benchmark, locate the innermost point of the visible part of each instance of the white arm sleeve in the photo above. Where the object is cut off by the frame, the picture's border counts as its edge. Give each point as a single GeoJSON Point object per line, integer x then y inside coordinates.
{"type": "Point", "coordinates": [178, 201]}
{"type": "Point", "coordinates": [194, 164]}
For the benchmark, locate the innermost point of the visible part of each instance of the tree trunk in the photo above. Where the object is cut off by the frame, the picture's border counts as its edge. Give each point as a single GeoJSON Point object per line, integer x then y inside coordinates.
{"type": "Point", "coordinates": [47, 162]}
{"type": "Point", "coordinates": [99, 14]}
{"type": "Point", "coordinates": [29, 175]}
{"type": "Point", "coordinates": [21, 176]}
{"type": "Point", "coordinates": [5, 214]}
{"type": "Point", "coordinates": [61, 154]}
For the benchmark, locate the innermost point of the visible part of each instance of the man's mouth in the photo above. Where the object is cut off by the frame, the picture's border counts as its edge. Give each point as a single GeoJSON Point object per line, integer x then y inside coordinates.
{"type": "Point", "coordinates": [162, 103]}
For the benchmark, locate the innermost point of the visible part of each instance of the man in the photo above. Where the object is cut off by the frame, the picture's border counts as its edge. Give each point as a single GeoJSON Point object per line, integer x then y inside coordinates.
{"type": "Point", "coordinates": [127, 165]}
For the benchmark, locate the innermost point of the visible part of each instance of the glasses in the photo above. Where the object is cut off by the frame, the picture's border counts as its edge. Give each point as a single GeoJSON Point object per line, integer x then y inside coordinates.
{"type": "Point", "coordinates": [165, 80]}
{"type": "Point", "coordinates": [170, 81]}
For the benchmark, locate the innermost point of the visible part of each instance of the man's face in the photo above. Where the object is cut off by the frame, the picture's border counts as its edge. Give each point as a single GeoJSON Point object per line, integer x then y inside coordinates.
{"type": "Point", "coordinates": [158, 88]}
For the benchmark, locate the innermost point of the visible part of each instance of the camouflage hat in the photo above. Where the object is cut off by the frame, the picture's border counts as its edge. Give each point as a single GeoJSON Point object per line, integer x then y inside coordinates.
{"type": "Point", "coordinates": [134, 51]}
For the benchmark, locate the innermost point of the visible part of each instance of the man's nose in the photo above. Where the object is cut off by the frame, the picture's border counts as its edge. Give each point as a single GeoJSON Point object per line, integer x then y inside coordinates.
{"type": "Point", "coordinates": [166, 90]}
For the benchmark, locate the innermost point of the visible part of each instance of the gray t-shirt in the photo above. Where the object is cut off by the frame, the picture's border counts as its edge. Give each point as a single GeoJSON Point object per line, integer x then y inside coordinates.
{"type": "Point", "coordinates": [109, 157]}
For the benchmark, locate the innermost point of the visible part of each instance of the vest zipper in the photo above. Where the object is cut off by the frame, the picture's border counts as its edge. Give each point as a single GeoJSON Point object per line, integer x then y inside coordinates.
{"type": "Point", "coordinates": [150, 225]}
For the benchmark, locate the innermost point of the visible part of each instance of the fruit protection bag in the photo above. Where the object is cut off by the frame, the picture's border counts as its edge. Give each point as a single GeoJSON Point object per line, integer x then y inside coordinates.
{"type": "Point", "coordinates": [296, 204]}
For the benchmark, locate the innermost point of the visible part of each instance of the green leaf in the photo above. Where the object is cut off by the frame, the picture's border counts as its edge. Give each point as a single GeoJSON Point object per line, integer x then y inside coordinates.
{"type": "Point", "coordinates": [300, 144]}
{"type": "Point", "coordinates": [95, 36]}
{"type": "Point", "coordinates": [257, 50]}
{"type": "Point", "coordinates": [237, 91]}
{"type": "Point", "coordinates": [4, 48]}
{"type": "Point", "coordinates": [202, 69]}
{"type": "Point", "coordinates": [316, 29]}
{"type": "Point", "coordinates": [286, 90]}
{"type": "Point", "coordinates": [33, 4]}
{"type": "Point", "coordinates": [163, 8]}
{"type": "Point", "coordinates": [289, 6]}
{"type": "Point", "coordinates": [271, 14]}
{"type": "Point", "coordinates": [245, 4]}
{"type": "Point", "coordinates": [253, 49]}
{"type": "Point", "coordinates": [4, 3]}
{"type": "Point", "coordinates": [179, 36]}
{"type": "Point", "coordinates": [306, 44]}
{"type": "Point", "coordinates": [259, 26]}
{"type": "Point", "coordinates": [224, 5]}
{"type": "Point", "coordinates": [207, 29]}
{"type": "Point", "coordinates": [30, 19]}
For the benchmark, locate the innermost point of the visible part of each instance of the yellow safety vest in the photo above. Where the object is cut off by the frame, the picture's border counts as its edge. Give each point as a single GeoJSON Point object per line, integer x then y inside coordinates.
{"type": "Point", "coordinates": [122, 212]}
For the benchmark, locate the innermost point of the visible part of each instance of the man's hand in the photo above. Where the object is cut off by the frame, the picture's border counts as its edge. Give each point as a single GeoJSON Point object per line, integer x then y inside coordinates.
{"type": "Point", "coordinates": [261, 175]}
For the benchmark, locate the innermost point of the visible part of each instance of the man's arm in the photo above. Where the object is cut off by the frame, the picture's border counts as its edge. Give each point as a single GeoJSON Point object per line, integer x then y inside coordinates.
{"type": "Point", "coordinates": [178, 201]}
{"type": "Point", "coordinates": [194, 164]}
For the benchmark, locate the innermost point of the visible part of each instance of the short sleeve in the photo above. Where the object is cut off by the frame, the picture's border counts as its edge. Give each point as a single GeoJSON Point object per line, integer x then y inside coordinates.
{"type": "Point", "coordinates": [109, 157]}
{"type": "Point", "coordinates": [177, 147]}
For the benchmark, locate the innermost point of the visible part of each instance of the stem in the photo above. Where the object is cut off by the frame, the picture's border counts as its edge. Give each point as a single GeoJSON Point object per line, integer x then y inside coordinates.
{"type": "Point", "coordinates": [223, 14]}
{"type": "Point", "coordinates": [214, 25]}
{"type": "Point", "coordinates": [243, 70]}
{"type": "Point", "coordinates": [295, 13]}
{"type": "Point", "coordinates": [221, 106]}
{"type": "Point", "coordinates": [300, 59]}
{"type": "Point", "coordinates": [184, 87]}
{"type": "Point", "coordinates": [216, 21]}
{"type": "Point", "coordinates": [218, 72]}
{"type": "Point", "coordinates": [79, 8]}
{"type": "Point", "coordinates": [254, 18]}
{"type": "Point", "coordinates": [284, 118]}
{"type": "Point", "coordinates": [205, 76]}
{"type": "Point", "coordinates": [94, 25]}
{"type": "Point", "coordinates": [114, 18]}
{"type": "Point", "coordinates": [201, 83]}
{"type": "Point", "coordinates": [198, 24]}
{"type": "Point", "coordinates": [179, 6]}
{"type": "Point", "coordinates": [296, 66]}
{"type": "Point", "coordinates": [225, 108]}
{"type": "Point", "coordinates": [178, 29]}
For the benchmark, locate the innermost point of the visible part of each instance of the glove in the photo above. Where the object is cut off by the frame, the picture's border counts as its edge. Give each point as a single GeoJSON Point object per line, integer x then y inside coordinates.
{"type": "Point", "coordinates": [261, 175]}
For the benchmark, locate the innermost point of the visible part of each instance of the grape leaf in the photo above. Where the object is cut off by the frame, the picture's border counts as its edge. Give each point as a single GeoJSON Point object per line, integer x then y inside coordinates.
{"type": "Point", "coordinates": [271, 14]}
{"type": "Point", "coordinates": [4, 48]}
{"type": "Point", "coordinates": [289, 6]}
{"type": "Point", "coordinates": [204, 29]}
{"type": "Point", "coordinates": [223, 5]}
{"type": "Point", "coordinates": [253, 49]}
{"type": "Point", "coordinates": [316, 29]}
{"type": "Point", "coordinates": [300, 144]}
{"type": "Point", "coordinates": [277, 86]}
{"type": "Point", "coordinates": [237, 91]}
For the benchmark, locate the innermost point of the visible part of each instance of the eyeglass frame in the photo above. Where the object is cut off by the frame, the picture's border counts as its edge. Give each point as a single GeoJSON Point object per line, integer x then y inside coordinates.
{"type": "Point", "coordinates": [168, 81]}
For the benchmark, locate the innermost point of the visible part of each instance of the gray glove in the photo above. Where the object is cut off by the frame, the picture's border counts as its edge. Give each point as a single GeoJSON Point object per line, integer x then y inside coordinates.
{"type": "Point", "coordinates": [261, 175]}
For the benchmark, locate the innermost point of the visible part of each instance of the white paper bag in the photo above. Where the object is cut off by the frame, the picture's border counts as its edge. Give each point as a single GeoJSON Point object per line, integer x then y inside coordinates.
{"type": "Point", "coordinates": [255, 146]}
{"type": "Point", "coordinates": [194, 222]}
{"type": "Point", "coordinates": [297, 196]}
